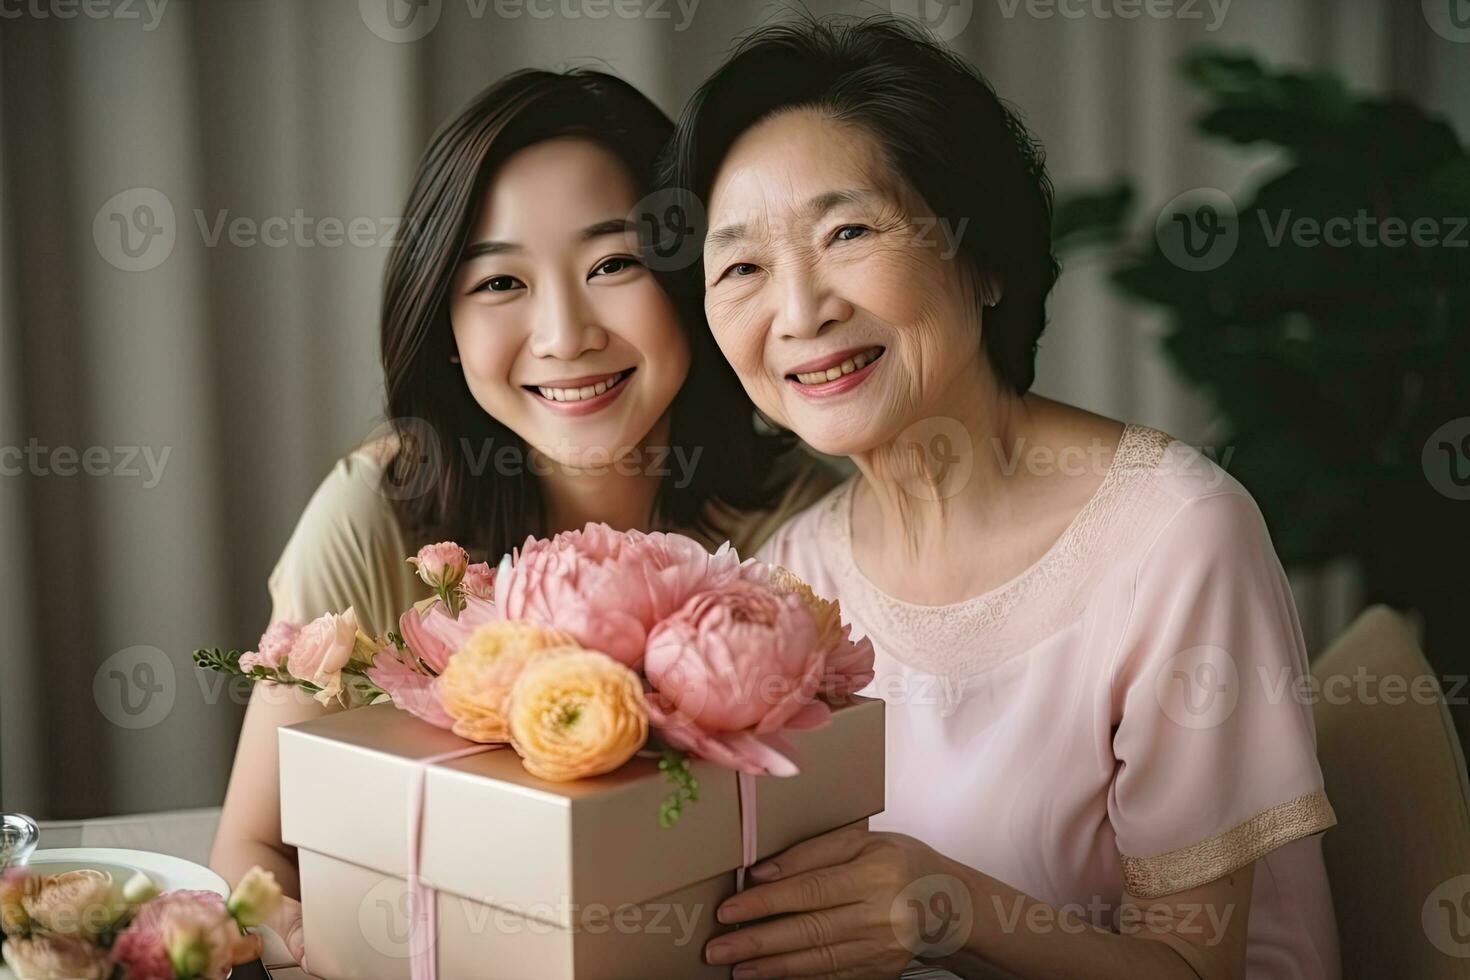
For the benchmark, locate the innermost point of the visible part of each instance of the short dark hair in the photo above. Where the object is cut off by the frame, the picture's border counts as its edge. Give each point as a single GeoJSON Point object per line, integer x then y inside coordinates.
{"type": "Point", "coordinates": [944, 129]}
{"type": "Point", "coordinates": [489, 512]}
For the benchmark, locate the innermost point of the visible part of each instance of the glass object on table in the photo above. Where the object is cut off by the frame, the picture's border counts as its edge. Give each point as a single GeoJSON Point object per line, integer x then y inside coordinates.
{"type": "Point", "coordinates": [18, 838]}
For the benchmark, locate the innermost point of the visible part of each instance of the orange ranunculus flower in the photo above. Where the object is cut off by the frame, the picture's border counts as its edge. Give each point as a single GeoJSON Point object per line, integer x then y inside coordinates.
{"type": "Point", "coordinates": [576, 713]}
{"type": "Point", "coordinates": [478, 677]}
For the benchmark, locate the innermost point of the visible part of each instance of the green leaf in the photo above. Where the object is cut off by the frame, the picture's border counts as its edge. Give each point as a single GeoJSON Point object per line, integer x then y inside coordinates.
{"type": "Point", "coordinates": [227, 662]}
{"type": "Point", "coordinates": [675, 765]}
{"type": "Point", "coordinates": [1086, 217]}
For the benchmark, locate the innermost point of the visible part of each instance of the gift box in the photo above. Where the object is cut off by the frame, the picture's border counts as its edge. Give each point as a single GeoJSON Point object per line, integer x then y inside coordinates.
{"type": "Point", "coordinates": [532, 878]}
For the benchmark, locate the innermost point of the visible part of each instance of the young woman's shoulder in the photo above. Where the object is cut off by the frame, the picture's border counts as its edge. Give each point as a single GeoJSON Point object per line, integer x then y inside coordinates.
{"type": "Point", "coordinates": [347, 549]}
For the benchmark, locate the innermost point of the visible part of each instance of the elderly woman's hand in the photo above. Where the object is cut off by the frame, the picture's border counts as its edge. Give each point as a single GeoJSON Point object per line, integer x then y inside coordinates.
{"type": "Point", "coordinates": [836, 908]}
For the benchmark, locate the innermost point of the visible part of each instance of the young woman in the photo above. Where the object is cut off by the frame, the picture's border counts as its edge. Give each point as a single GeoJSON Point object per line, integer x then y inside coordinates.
{"type": "Point", "coordinates": [1082, 630]}
{"type": "Point", "coordinates": [539, 375]}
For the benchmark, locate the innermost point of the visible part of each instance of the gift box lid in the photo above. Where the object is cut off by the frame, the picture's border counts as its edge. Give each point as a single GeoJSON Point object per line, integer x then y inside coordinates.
{"type": "Point", "coordinates": [556, 852]}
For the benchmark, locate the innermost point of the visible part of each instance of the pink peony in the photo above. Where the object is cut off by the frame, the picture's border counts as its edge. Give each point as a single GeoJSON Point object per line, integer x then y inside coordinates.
{"type": "Point", "coordinates": [609, 588]}
{"type": "Point", "coordinates": [441, 565]}
{"type": "Point", "coordinates": [275, 646]}
{"type": "Point", "coordinates": [732, 668]}
{"type": "Point", "coordinates": [849, 666]}
{"type": "Point", "coordinates": [588, 583]}
{"type": "Point", "coordinates": [479, 582]}
{"type": "Point", "coordinates": [188, 932]}
{"type": "Point", "coordinates": [676, 568]}
{"type": "Point", "coordinates": [321, 650]}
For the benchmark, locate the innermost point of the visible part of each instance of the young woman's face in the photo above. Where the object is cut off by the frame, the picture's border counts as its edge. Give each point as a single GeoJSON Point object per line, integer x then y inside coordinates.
{"type": "Point", "coordinates": [830, 289]}
{"type": "Point", "coordinates": [563, 335]}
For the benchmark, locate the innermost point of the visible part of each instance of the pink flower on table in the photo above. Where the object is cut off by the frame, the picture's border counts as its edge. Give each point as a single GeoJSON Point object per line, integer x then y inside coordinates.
{"type": "Point", "coordinates": [441, 565]}
{"type": "Point", "coordinates": [190, 933]}
{"type": "Point", "coordinates": [275, 646]}
{"type": "Point", "coordinates": [73, 903]}
{"type": "Point", "coordinates": [733, 668]}
{"type": "Point", "coordinates": [322, 648]}
{"type": "Point", "coordinates": [15, 885]}
{"type": "Point", "coordinates": [44, 957]}
{"type": "Point", "coordinates": [479, 582]}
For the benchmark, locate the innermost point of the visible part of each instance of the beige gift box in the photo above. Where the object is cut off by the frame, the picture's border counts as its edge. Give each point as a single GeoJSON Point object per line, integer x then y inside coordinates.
{"type": "Point", "coordinates": [537, 879]}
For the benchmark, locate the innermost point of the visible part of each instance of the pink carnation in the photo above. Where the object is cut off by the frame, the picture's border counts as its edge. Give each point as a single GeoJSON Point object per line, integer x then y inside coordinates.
{"type": "Point", "coordinates": [479, 582]}
{"type": "Point", "coordinates": [275, 646]}
{"type": "Point", "coordinates": [180, 921]}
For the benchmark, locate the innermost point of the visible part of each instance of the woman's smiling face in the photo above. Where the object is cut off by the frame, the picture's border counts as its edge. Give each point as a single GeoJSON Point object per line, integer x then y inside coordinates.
{"type": "Point", "coordinates": [830, 287]}
{"type": "Point", "coordinates": [564, 336]}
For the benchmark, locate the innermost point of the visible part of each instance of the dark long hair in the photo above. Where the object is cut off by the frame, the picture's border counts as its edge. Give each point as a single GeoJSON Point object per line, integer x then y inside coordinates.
{"type": "Point", "coordinates": [438, 489]}
{"type": "Point", "coordinates": [944, 129]}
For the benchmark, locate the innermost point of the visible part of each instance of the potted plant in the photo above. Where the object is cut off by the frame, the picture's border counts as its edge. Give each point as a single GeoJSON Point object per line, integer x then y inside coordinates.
{"type": "Point", "coordinates": [1326, 311]}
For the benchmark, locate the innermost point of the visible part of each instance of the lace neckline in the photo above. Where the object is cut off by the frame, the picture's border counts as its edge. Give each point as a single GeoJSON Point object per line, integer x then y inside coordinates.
{"type": "Point", "coordinates": [941, 637]}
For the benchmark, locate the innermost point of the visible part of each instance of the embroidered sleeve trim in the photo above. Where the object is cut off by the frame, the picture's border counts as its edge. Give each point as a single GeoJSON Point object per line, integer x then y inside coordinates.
{"type": "Point", "coordinates": [1215, 857]}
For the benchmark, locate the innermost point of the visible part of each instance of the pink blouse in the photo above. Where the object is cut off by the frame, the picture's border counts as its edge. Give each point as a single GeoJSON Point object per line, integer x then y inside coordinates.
{"type": "Point", "coordinates": [1122, 715]}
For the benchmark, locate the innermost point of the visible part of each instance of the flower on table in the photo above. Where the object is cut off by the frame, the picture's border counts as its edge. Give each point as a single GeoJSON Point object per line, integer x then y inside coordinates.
{"type": "Point", "coordinates": [48, 957]}
{"type": "Point", "coordinates": [74, 903]}
{"type": "Point", "coordinates": [15, 885]}
{"type": "Point", "coordinates": [576, 713]}
{"type": "Point", "coordinates": [255, 898]}
{"type": "Point", "coordinates": [183, 934]}
{"type": "Point", "coordinates": [139, 889]}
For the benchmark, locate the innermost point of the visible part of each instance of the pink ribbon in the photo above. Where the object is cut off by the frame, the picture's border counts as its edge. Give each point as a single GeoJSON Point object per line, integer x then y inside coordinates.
{"type": "Point", "coordinates": [745, 787]}
{"type": "Point", "coordinates": [423, 920]}
{"type": "Point", "coordinates": [423, 906]}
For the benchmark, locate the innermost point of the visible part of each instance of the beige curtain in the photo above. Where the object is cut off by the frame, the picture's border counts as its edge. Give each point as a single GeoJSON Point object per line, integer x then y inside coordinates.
{"type": "Point", "coordinates": [194, 200]}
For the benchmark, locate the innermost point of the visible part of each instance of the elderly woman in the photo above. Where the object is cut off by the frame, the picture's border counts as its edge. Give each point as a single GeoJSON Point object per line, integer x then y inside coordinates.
{"type": "Point", "coordinates": [1097, 766]}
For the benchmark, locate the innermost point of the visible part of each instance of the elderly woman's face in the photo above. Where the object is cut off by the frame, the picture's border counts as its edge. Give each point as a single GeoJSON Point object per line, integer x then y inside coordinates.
{"type": "Point", "coordinates": [831, 288]}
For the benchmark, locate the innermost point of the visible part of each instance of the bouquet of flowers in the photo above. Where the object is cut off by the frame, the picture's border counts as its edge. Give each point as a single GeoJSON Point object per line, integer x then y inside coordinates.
{"type": "Point", "coordinates": [78, 925]}
{"type": "Point", "coordinates": [578, 646]}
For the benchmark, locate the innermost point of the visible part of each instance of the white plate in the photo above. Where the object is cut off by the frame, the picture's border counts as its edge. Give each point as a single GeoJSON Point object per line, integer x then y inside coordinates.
{"type": "Point", "coordinates": [168, 873]}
